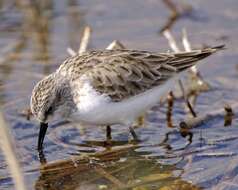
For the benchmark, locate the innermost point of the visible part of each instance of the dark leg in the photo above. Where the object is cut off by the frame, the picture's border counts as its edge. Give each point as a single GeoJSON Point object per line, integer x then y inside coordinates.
{"type": "Point", "coordinates": [108, 142]}
{"type": "Point", "coordinates": [109, 136]}
{"type": "Point", "coordinates": [133, 133]}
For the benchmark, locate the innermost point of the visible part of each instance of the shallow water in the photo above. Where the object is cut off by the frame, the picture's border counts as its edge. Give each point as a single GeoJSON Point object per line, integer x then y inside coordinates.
{"type": "Point", "coordinates": [163, 159]}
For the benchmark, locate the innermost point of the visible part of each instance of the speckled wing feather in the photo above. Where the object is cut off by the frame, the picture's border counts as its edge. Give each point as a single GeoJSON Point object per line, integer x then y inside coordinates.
{"type": "Point", "coordinates": [124, 73]}
{"type": "Point", "coordinates": [128, 73]}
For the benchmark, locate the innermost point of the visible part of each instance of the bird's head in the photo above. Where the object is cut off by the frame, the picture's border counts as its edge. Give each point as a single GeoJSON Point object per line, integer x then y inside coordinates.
{"type": "Point", "coordinates": [47, 98]}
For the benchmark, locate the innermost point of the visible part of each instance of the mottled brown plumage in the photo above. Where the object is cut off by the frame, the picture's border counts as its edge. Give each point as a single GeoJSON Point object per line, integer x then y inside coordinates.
{"type": "Point", "coordinates": [124, 73]}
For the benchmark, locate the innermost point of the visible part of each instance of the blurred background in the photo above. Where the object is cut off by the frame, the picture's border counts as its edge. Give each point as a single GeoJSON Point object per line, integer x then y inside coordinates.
{"type": "Point", "coordinates": [34, 37]}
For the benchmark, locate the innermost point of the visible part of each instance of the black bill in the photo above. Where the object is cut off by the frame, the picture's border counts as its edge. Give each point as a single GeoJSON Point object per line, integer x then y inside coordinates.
{"type": "Point", "coordinates": [43, 129]}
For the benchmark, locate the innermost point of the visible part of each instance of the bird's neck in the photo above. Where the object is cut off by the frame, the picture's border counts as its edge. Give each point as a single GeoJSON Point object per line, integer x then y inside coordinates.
{"type": "Point", "coordinates": [65, 99]}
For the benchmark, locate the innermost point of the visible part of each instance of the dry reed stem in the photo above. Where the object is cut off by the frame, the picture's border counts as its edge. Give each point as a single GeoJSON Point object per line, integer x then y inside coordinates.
{"type": "Point", "coordinates": [175, 14]}
{"type": "Point", "coordinates": [71, 52]}
{"type": "Point", "coordinates": [83, 44]}
{"type": "Point", "coordinates": [186, 43]}
{"type": "Point", "coordinates": [171, 40]}
{"type": "Point", "coordinates": [7, 147]}
{"type": "Point", "coordinates": [11, 51]}
{"type": "Point", "coordinates": [172, 7]}
{"type": "Point", "coordinates": [187, 47]}
{"type": "Point", "coordinates": [85, 40]}
{"type": "Point", "coordinates": [115, 45]}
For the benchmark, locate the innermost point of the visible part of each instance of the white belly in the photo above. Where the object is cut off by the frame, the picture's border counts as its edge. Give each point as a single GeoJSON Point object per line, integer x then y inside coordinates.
{"type": "Point", "coordinates": [98, 109]}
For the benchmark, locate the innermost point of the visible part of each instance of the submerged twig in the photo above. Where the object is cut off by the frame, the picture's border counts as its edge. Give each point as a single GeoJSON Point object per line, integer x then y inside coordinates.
{"type": "Point", "coordinates": [8, 150]}
{"type": "Point", "coordinates": [108, 176]}
{"type": "Point", "coordinates": [197, 121]}
{"type": "Point", "coordinates": [27, 113]}
{"type": "Point", "coordinates": [228, 115]}
{"type": "Point", "coordinates": [173, 45]}
{"type": "Point", "coordinates": [186, 100]}
{"type": "Point", "coordinates": [198, 86]}
{"type": "Point", "coordinates": [170, 100]}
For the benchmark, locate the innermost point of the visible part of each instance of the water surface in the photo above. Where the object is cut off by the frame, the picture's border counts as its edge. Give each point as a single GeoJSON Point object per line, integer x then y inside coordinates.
{"type": "Point", "coordinates": [33, 44]}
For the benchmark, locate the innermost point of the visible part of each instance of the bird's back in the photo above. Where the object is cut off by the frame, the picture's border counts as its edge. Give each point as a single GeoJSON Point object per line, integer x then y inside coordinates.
{"type": "Point", "coordinates": [121, 74]}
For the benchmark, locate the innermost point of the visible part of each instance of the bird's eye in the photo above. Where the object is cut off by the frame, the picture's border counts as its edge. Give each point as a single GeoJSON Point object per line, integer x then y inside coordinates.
{"type": "Point", "coordinates": [49, 111]}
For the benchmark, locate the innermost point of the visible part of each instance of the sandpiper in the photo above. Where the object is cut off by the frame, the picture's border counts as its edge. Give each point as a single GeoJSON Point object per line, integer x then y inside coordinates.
{"type": "Point", "coordinates": [110, 86]}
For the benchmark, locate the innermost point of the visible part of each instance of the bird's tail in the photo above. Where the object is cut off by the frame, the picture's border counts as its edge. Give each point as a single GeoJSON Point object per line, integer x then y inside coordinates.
{"type": "Point", "coordinates": [185, 60]}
